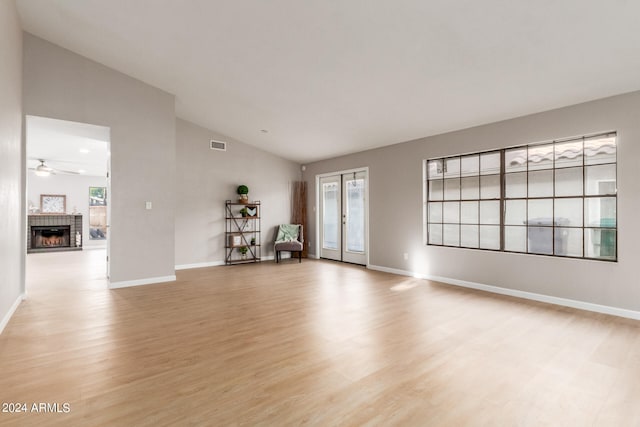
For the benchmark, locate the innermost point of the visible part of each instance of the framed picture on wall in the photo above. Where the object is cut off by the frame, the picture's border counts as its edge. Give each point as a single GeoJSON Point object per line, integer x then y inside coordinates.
{"type": "Point", "coordinates": [53, 203]}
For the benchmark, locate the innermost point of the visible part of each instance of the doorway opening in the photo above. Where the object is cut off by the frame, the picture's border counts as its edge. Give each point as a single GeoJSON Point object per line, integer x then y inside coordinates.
{"type": "Point", "coordinates": [67, 194]}
{"type": "Point", "coordinates": [343, 216]}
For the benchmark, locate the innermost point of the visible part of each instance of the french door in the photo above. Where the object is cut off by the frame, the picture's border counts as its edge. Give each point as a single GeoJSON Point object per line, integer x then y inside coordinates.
{"type": "Point", "coordinates": [343, 217]}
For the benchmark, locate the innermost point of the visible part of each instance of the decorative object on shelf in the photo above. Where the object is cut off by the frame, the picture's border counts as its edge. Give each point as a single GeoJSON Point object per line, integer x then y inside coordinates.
{"type": "Point", "coordinates": [53, 203]}
{"type": "Point", "coordinates": [243, 193]}
{"type": "Point", "coordinates": [242, 232]}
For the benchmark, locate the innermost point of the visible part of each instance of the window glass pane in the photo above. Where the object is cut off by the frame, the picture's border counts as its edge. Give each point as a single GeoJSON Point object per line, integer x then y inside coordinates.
{"type": "Point", "coordinates": [451, 235]}
{"type": "Point", "coordinates": [470, 187]}
{"type": "Point", "coordinates": [435, 190]}
{"type": "Point", "coordinates": [330, 215]}
{"type": "Point", "coordinates": [568, 212]}
{"type": "Point", "coordinates": [541, 183]}
{"type": "Point", "coordinates": [469, 236]}
{"type": "Point", "coordinates": [568, 241]}
{"type": "Point", "coordinates": [540, 240]}
{"type": "Point", "coordinates": [515, 160]}
{"type": "Point", "coordinates": [600, 212]}
{"type": "Point", "coordinates": [452, 189]}
{"type": "Point", "coordinates": [490, 187]}
{"type": "Point", "coordinates": [490, 236]}
{"type": "Point", "coordinates": [568, 154]}
{"type": "Point", "coordinates": [470, 165]}
{"type": "Point", "coordinates": [435, 234]}
{"type": "Point", "coordinates": [490, 212]}
{"type": "Point", "coordinates": [540, 157]}
{"type": "Point", "coordinates": [451, 212]}
{"type": "Point", "coordinates": [600, 243]}
{"type": "Point", "coordinates": [516, 184]}
{"type": "Point", "coordinates": [600, 180]}
{"type": "Point", "coordinates": [452, 167]}
{"type": "Point", "coordinates": [569, 182]}
{"type": "Point", "coordinates": [540, 212]}
{"type": "Point", "coordinates": [600, 150]}
{"type": "Point", "coordinates": [434, 169]}
{"type": "Point", "coordinates": [435, 212]}
{"type": "Point", "coordinates": [490, 163]}
{"type": "Point", "coordinates": [515, 212]}
{"type": "Point", "coordinates": [515, 239]}
{"type": "Point", "coordinates": [354, 236]}
{"type": "Point", "coordinates": [469, 212]}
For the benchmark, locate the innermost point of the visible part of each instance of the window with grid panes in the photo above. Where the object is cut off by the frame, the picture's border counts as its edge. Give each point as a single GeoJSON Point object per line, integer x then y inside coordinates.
{"type": "Point", "coordinates": [557, 198]}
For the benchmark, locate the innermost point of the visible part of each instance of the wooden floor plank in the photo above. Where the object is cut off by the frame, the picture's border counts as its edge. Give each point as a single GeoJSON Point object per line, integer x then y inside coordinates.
{"type": "Point", "coordinates": [317, 343]}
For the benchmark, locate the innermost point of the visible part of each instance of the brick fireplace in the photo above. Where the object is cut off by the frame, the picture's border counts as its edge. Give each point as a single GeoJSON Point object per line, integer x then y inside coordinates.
{"type": "Point", "coordinates": [49, 233]}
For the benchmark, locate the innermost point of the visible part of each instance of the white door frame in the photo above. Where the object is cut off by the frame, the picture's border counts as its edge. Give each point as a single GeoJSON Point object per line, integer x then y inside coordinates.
{"type": "Point", "coordinates": [364, 169]}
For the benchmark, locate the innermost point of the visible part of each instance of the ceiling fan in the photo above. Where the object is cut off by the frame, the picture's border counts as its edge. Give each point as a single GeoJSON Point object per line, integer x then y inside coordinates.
{"type": "Point", "coordinates": [43, 170]}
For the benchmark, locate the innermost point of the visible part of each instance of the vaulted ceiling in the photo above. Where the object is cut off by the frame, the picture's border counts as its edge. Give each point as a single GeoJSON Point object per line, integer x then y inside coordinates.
{"type": "Point", "coordinates": [314, 79]}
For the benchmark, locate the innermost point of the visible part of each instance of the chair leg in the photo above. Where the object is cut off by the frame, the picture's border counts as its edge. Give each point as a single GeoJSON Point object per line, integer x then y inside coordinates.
{"type": "Point", "coordinates": [299, 257]}
{"type": "Point", "coordinates": [277, 261]}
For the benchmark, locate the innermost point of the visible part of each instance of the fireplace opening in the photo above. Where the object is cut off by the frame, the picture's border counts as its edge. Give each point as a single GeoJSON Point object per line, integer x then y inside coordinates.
{"type": "Point", "coordinates": [43, 237]}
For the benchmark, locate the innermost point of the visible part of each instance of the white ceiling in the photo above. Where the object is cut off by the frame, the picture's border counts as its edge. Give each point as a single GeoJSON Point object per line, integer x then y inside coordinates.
{"type": "Point", "coordinates": [68, 146]}
{"type": "Point", "coordinates": [329, 77]}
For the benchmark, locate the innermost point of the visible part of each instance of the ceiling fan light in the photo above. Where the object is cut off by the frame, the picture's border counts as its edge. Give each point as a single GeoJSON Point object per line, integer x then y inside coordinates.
{"type": "Point", "coordinates": [40, 172]}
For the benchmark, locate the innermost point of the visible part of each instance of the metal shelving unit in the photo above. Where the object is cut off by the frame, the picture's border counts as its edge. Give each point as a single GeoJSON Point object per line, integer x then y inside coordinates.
{"type": "Point", "coordinates": [242, 230]}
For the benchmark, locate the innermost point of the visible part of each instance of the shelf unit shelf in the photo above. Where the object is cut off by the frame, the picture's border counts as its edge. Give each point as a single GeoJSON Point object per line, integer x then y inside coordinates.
{"type": "Point", "coordinates": [241, 230]}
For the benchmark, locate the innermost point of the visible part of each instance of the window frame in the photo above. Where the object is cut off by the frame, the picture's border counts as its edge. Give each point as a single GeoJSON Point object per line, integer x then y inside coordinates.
{"type": "Point", "coordinates": [584, 165]}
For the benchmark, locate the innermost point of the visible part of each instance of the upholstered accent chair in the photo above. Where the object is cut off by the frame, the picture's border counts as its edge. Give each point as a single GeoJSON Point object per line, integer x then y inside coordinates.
{"type": "Point", "coordinates": [289, 239]}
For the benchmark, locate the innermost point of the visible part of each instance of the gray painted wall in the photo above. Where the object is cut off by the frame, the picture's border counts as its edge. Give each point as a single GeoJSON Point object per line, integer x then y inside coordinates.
{"type": "Point", "coordinates": [63, 85]}
{"type": "Point", "coordinates": [206, 178]}
{"type": "Point", "coordinates": [11, 172]}
{"type": "Point", "coordinates": [396, 206]}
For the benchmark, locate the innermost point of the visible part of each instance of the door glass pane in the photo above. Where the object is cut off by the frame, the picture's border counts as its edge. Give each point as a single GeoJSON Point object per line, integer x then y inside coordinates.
{"type": "Point", "coordinates": [569, 182]}
{"type": "Point", "coordinates": [599, 150]}
{"type": "Point", "coordinates": [97, 213]}
{"type": "Point", "coordinates": [470, 187]}
{"type": "Point", "coordinates": [568, 241]}
{"type": "Point", "coordinates": [469, 236]}
{"type": "Point", "coordinates": [516, 184]}
{"type": "Point", "coordinates": [568, 154]}
{"type": "Point", "coordinates": [355, 215]}
{"type": "Point", "coordinates": [515, 160]}
{"type": "Point", "coordinates": [516, 212]}
{"type": "Point", "coordinates": [515, 239]}
{"type": "Point", "coordinates": [330, 217]}
{"type": "Point", "coordinates": [600, 180]}
{"type": "Point", "coordinates": [490, 237]}
{"type": "Point", "coordinates": [541, 183]}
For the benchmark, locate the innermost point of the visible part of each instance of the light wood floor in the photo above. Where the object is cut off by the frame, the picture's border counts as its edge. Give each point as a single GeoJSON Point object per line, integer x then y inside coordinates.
{"type": "Point", "coordinates": [317, 343]}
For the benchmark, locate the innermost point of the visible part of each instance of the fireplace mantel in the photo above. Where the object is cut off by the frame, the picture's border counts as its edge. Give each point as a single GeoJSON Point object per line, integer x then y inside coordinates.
{"type": "Point", "coordinates": [37, 221]}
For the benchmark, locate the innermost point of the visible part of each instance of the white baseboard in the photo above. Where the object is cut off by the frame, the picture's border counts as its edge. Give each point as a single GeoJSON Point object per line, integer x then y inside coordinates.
{"type": "Point", "coordinates": [199, 265]}
{"type": "Point", "coordinates": [12, 309]}
{"type": "Point", "coordinates": [581, 305]}
{"type": "Point", "coordinates": [313, 256]}
{"type": "Point", "coordinates": [139, 282]}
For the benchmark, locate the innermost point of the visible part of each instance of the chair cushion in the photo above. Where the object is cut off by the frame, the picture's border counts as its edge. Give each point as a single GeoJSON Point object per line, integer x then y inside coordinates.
{"type": "Point", "coordinates": [288, 246]}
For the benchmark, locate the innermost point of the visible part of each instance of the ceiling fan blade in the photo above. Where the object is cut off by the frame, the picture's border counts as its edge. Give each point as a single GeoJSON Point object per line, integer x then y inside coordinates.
{"type": "Point", "coordinates": [65, 172]}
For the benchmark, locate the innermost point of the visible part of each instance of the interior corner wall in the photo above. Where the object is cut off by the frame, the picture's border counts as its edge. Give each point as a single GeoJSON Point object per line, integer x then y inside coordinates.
{"type": "Point", "coordinates": [11, 162]}
{"type": "Point", "coordinates": [206, 178]}
{"type": "Point", "coordinates": [63, 85]}
{"type": "Point", "coordinates": [396, 211]}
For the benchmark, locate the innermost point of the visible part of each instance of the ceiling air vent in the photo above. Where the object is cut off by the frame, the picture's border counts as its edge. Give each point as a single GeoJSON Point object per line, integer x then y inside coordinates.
{"type": "Point", "coordinates": [218, 145]}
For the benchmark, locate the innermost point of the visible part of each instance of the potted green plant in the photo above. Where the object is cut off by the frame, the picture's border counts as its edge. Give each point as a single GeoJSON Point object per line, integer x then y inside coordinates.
{"type": "Point", "coordinates": [243, 192]}
{"type": "Point", "coordinates": [244, 212]}
{"type": "Point", "coordinates": [243, 251]}
{"type": "Point", "coordinates": [253, 241]}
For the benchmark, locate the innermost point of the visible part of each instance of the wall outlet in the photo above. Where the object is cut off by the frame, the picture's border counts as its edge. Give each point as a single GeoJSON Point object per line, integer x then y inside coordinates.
{"type": "Point", "coordinates": [148, 205]}
{"type": "Point", "coordinates": [406, 256]}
